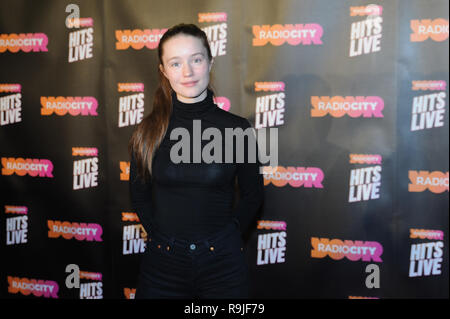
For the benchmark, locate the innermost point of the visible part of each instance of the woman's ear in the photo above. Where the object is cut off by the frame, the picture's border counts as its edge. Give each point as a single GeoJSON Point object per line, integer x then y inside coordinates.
{"type": "Point", "coordinates": [161, 68]}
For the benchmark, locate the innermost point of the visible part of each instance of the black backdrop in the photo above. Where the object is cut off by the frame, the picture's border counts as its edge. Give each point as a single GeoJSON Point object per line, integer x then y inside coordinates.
{"type": "Point", "coordinates": [312, 59]}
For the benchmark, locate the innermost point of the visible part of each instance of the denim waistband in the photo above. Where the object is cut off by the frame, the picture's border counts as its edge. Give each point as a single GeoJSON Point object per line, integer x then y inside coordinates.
{"type": "Point", "coordinates": [159, 236]}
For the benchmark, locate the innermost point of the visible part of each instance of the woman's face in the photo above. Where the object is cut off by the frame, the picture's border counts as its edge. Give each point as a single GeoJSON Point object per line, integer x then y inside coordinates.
{"type": "Point", "coordinates": [186, 66]}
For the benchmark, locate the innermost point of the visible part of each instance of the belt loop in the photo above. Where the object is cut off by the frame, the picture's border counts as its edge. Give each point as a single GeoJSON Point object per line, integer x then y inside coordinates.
{"type": "Point", "coordinates": [170, 245]}
{"type": "Point", "coordinates": [236, 221]}
{"type": "Point", "coordinates": [210, 247]}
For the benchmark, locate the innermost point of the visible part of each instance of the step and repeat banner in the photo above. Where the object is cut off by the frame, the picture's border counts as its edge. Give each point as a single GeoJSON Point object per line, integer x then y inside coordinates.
{"type": "Point", "coordinates": [358, 204]}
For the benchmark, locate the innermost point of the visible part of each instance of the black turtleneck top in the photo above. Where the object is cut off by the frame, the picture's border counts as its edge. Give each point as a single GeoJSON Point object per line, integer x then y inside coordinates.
{"type": "Point", "coordinates": [194, 200]}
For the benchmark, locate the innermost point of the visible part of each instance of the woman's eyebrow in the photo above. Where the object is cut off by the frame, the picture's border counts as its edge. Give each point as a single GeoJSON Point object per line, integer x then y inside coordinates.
{"type": "Point", "coordinates": [177, 57]}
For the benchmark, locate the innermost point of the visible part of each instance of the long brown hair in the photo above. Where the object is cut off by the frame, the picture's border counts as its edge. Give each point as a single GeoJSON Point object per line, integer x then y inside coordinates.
{"type": "Point", "coordinates": [150, 132]}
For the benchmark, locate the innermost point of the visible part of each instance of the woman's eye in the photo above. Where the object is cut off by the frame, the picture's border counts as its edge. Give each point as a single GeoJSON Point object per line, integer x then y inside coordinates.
{"type": "Point", "coordinates": [175, 64]}
{"type": "Point", "coordinates": [198, 60]}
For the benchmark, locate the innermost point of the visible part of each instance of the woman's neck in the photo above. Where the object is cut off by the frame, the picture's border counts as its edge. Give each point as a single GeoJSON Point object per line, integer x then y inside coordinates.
{"type": "Point", "coordinates": [195, 109]}
{"type": "Point", "coordinates": [189, 100]}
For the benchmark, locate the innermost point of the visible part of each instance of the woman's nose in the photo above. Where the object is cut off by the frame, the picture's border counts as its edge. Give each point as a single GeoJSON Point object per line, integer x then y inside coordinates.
{"type": "Point", "coordinates": [187, 70]}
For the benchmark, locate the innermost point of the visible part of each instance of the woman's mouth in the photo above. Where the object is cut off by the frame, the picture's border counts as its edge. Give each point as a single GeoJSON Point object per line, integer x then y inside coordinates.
{"type": "Point", "coordinates": [190, 83]}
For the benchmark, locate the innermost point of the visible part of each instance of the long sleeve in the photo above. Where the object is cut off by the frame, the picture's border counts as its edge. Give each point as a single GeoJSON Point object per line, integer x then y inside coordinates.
{"type": "Point", "coordinates": [141, 197]}
{"type": "Point", "coordinates": [250, 184]}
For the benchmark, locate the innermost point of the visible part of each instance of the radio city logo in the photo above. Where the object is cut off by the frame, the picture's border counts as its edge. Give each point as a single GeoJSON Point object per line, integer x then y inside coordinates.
{"type": "Point", "coordinates": [271, 246]}
{"type": "Point", "coordinates": [269, 107]}
{"type": "Point", "coordinates": [85, 171]}
{"type": "Point", "coordinates": [308, 177]}
{"type": "Point", "coordinates": [80, 41]}
{"type": "Point", "coordinates": [30, 42]}
{"type": "Point", "coordinates": [91, 290]}
{"type": "Point", "coordinates": [131, 107]}
{"type": "Point", "coordinates": [37, 287]}
{"type": "Point", "coordinates": [216, 33]}
{"type": "Point", "coordinates": [79, 231]}
{"type": "Point", "coordinates": [278, 34]}
{"type": "Point", "coordinates": [365, 35]}
{"type": "Point", "coordinates": [353, 106]}
{"type": "Point", "coordinates": [428, 110]}
{"type": "Point", "coordinates": [75, 106]}
{"type": "Point", "coordinates": [31, 166]}
{"type": "Point", "coordinates": [17, 226]}
{"type": "Point", "coordinates": [436, 29]}
{"type": "Point", "coordinates": [337, 249]}
{"type": "Point", "coordinates": [365, 182]}
{"type": "Point", "coordinates": [138, 38]}
{"type": "Point", "coordinates": [11, 104]}
{"type": "Point", "coordinates": [436, 182]}
{"type": "Point", "coordinates": [134, 236]}
{"type": "Point", "coordinates": [426, 258]}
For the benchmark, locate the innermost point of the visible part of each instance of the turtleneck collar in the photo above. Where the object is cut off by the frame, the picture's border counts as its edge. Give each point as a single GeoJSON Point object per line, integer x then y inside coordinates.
{"type": "Point", "coordinates": [192, 109]}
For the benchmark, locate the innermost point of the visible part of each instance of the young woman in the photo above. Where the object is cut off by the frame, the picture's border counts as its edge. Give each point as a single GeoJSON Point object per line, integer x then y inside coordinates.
{"type": "Point", "coordinates": [194, 244]}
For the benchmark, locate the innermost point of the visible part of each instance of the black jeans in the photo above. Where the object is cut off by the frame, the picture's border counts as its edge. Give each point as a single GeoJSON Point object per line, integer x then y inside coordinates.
{"type": "Point", "coordinates": [215, 267]}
